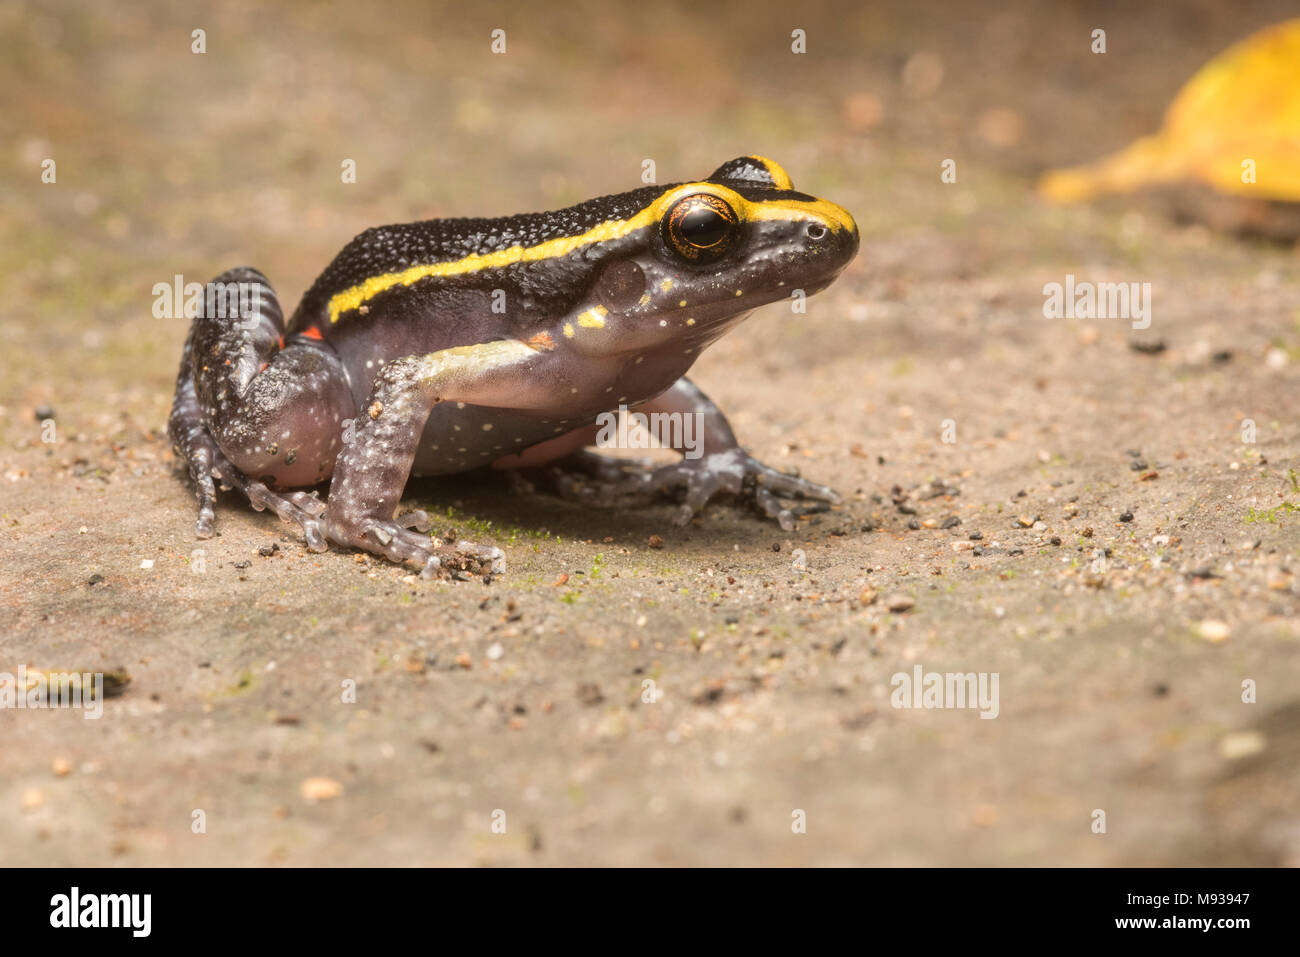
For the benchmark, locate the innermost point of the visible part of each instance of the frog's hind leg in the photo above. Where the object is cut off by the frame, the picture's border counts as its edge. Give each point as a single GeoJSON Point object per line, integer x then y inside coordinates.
{"type": "Point", "coordinates": [247, 405]}
{"type": "Point", "coordinates": [713, 465]}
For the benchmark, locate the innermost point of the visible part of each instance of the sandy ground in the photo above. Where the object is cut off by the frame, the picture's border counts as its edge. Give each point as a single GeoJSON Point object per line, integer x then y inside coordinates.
{"type": "Point", "coordinates": [1124, 560]}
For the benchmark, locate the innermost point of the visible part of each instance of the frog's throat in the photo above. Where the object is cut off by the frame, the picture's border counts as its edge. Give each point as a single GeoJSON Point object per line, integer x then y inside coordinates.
{"type": "Point", "coordinates": [834, 217]}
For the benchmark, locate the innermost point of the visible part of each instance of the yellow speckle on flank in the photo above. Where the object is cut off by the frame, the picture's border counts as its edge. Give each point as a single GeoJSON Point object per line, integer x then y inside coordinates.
{"type": "Point", "coordinates": [593, 318]}
{"type": "Point", "coordinates": [568, 330]}
{"type": "Point", "coordinates": [666, 285]}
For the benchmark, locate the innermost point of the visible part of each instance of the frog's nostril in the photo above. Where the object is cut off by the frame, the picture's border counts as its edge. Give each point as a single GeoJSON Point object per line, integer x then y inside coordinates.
{"type": "Point", "coordinates": [815, 231]}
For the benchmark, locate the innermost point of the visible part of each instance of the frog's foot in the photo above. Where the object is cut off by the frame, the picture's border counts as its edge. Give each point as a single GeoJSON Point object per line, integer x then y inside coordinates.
{"type": "Point", "coordinates": [399, 542]}
{"type": "Point", "coordinates": [301, 507]}
{"type": "Point", "coordinates": [695, 482]}
{"type": "Point", "coordinates": [592, 479]}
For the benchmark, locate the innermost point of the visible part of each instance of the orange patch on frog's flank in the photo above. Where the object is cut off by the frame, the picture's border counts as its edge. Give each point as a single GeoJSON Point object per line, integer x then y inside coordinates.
{"type": "Point", "coordinates": [542, 340]}
{"type": "Point", "coordinates": [311, 332]}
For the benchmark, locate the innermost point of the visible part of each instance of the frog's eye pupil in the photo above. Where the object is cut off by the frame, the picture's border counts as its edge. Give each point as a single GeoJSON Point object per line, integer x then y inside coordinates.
{"type": "Point", "coordinates": [703, 227]}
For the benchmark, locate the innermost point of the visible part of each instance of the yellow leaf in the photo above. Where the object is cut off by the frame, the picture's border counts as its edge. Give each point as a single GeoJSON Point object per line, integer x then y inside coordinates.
{"type": "Point", "coordinates": [1239, 115]}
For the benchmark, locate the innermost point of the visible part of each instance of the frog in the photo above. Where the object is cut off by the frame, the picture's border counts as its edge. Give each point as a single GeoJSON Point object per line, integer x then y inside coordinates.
{"type": "Point", "coordinates": [457, 344]}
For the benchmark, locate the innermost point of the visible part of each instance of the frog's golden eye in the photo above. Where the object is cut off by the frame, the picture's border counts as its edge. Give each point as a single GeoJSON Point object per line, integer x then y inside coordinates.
{"type": "Point", "coordinates": [700, 227]}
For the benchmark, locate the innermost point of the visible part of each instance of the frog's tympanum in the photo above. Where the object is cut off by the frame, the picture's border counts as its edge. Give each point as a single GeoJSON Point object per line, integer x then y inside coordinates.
{"type": "Point", "coordinates": [453, 344]}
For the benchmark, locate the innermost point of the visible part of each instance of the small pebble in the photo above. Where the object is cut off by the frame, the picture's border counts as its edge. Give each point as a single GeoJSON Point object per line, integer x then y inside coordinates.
{"type": "Point", "coordinates": [1241, 744]}
{"type": "Point", "coordinates": [320, 789]}
{"type": "Point", "coordinates": [900, 603]}
{"type": "Point", "coordinates": [1214, 631]}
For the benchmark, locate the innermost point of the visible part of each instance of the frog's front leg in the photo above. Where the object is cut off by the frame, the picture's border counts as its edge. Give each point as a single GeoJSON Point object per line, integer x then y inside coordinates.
{"type": "Point", "coordinates": [380, 447]}
{"type": "Point", "coordinates": [716, 464]}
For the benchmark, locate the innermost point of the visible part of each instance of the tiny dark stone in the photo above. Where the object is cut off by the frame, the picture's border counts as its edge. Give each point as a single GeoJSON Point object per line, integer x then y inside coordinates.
{"type": "Point", "coordinates": [913, 524]}
{"type": "Point", "coordinates": [907, 509]}
{"type": "Point", "coordinates": [1055, 539]}
{"type": "Point", "coordinates": [44, 412]}
{"type": "Point", "coordinates": [1016, 551]}
{"type": "Point", "coordinates": [1137, 466]}
{"type": "Point", "coordinates": [1126, 516]}
{"type": "Point", "coordinates": [976, 536]}
{"type": "Point", "coordinates": [1160, 690]}
{"type": "Point", "coordinates": [1148, 347]}
{"type": "Point", "coordinates": [952, 521]}
{"type": "Point", "coordinates": [95, 579]}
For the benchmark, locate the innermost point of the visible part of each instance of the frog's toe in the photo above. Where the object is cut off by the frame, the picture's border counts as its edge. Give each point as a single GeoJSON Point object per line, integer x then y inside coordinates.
{"type": "Point", "coordinates": [301, 507]}
{"type": "Point", "coordinates": [489, 556]}
{"type": "Point", "coordinates": [397, 542]}
{"type": "Point", "coordinates": [207, 492]}
{"type": "Point", "coordinates": [787, 485]}
{"type": "Point", "coordinates": [771, 507]}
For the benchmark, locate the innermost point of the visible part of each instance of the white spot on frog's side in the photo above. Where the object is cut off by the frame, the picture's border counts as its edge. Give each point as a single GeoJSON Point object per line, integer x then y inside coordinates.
{"type": "Point", "coordinates": [663, 322]}
{"type": "Point", "coordinates": [639, 360]}
{"type": "Point", "coordinates": [370, 363]}
{"type": "Point", "coordinates": [487, 426]}
{"type": "Point", "coordinates": [460, 405]}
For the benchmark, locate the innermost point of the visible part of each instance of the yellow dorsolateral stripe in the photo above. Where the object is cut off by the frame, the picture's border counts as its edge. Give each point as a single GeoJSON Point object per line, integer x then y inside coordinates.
{"type": "Point", "coordinates": [835, 217]}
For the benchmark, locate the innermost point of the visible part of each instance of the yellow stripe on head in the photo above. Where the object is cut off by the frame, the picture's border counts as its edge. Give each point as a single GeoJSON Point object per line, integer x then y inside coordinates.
{"type": "Point", "coordinates": [832, 215]}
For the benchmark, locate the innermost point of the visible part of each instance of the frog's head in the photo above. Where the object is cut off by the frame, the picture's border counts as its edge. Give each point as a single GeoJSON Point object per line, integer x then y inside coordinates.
{"type": "Point", "coordinates": [704, 254]}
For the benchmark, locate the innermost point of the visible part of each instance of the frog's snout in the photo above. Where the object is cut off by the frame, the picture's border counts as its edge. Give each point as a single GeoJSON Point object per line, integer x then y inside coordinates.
{"type": "Point", "coordinates": [832, 227]}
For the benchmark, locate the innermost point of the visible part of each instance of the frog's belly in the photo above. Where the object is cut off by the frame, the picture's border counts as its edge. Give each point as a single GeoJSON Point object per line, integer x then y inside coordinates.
{"type": "Point", "coordinates": [460, 437]}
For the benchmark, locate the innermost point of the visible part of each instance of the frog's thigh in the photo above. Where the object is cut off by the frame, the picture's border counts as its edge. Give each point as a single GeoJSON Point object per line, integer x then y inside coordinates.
{"type": "Point", "coordinates": [376, 460]}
